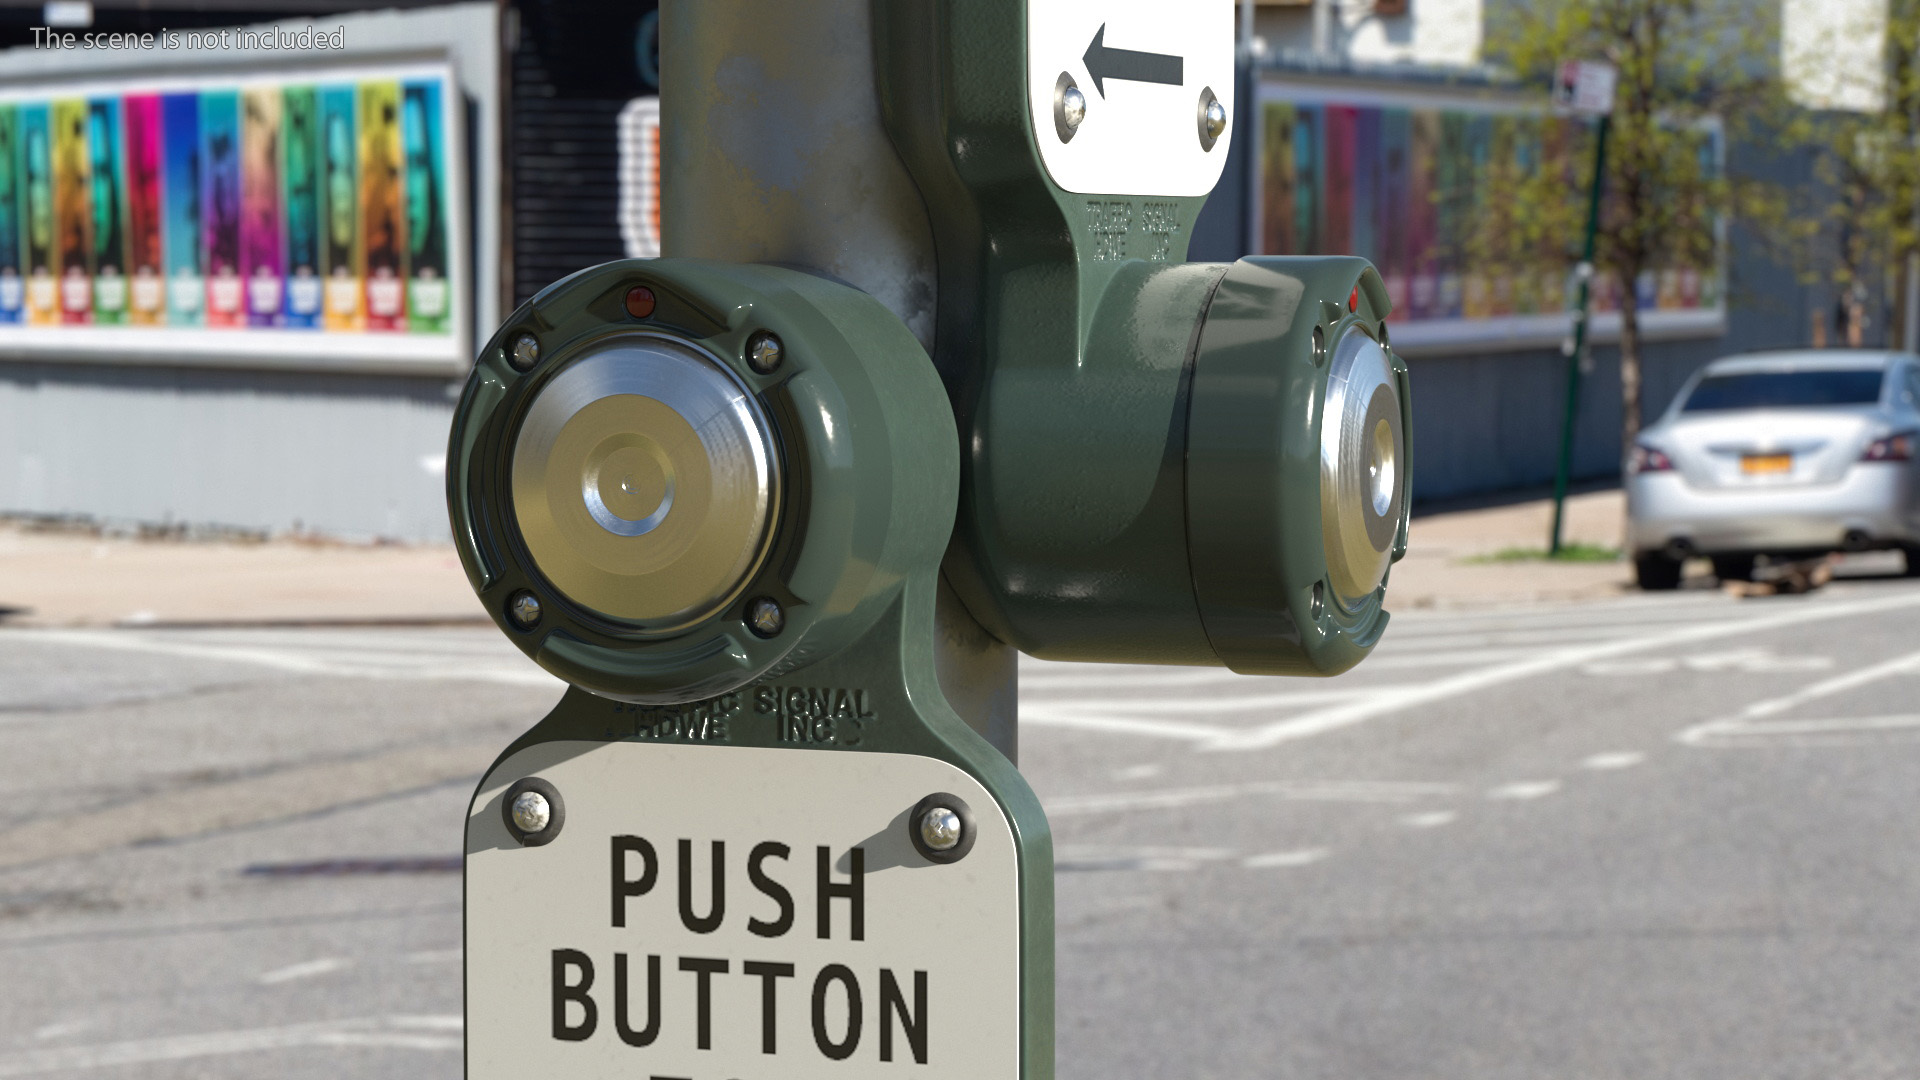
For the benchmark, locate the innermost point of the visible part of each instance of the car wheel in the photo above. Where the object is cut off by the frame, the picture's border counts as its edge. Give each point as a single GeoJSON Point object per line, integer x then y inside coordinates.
{"type": "Point", "coordinates": [1733, 567]}
{"type": "Point", "coordinates": [1656, 570]}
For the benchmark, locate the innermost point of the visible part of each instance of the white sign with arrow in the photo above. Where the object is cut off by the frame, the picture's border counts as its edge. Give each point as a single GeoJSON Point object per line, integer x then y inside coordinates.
{"type": "Point", "coordinates": [1132, 97]}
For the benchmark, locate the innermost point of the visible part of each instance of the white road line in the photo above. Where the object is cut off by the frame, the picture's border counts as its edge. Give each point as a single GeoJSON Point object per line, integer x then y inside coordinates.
{"type": "Point", "coordinates": [1384, 702]}
{"type": "Point", "coordinates": [1359, 791]}
{"type": "Point", "coordinates": [1132, 698]}
{"type": "Point", "coordinates": [1761, 729]}
{"type": "Point", "coordinates": [1431, 819]}
{"type": "Point", "coordinates": [304, 970]}
{"type": "Point", "coordinates": [1139, 772]}
{"type": "Point", "coordinates": [1284, 859]}
{"type": "Point", "coordinates": [432, 1033]}
{"type": "Point", "coordinates": [1164, 859]}
{"type": "Point", "coordinates": [1757, 661]}
{"type": "Point", "coordinates": [315, 663]}
{"type": "Point", "coordinates": [1094, 717]}
{"type": "Point", "coordinates": [1077, 677]}
{"type": "Point", "coordinates": [1748, 722]}
{"type": "Point", "coordinates": [1616, 759]}
{"type": "Point", "coordinates": [1524, 789]}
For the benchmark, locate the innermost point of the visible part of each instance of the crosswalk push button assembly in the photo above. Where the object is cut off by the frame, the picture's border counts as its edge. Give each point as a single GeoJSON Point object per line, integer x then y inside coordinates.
{"type": "Point", "coordinates": [686, 499]}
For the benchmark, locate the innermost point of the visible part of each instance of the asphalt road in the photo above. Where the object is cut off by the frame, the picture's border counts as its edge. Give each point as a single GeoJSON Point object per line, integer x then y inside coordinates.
{"type": "Point", "coordinates": [1660, 836]}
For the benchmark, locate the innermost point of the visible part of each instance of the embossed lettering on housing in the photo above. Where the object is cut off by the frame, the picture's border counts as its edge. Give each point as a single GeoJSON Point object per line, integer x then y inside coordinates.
{"type": "Point", "coordinates": [1110, 221]}
{"type": "Point", "coordinates": [1160, 221]}
{"type": "Point", "coordinates": [815, 714]}
{"type": "Point", "coordinates": [695, 721]}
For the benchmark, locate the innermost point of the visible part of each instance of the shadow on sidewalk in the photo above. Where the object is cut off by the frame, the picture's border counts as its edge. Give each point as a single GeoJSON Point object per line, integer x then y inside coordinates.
{"type": "Point", "coordinates": [1488, 500]}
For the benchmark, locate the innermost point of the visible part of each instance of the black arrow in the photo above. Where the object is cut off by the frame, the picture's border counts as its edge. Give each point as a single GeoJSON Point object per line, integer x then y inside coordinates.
{"type": "Point", "coordinates": [1104, 63]}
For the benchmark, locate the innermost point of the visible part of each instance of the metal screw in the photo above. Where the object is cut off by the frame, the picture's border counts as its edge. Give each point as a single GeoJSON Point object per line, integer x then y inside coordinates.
{"type": "Point", "coordinates": [526, 352]}
{"type": "Point", "coordinates": [764, 352]}
{"type": "Point", "coordinates": [532, 812]}
{"type": "Point", "coordinates": [765, 618]}
{"type": "Point", "coordinates": [1213, 119]}
{"type": "Point", "coordinates": [940, 828]}
{"type": "Point", "coordinates": [524, 610]}
{"type": "Point", "coordinates": [1069, 107]}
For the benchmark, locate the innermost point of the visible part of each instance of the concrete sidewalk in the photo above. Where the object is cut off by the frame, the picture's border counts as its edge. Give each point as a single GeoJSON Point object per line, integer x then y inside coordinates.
{"type": "Point", "coordinates": [1448, 561]}
{"type": "Point", "coordinates": [70, 577]}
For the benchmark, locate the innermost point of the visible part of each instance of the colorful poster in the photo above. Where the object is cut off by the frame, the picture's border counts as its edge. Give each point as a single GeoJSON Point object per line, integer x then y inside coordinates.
{"type": "Point", "coordinates": [146, 260]}
{"type": "Point", "coordinates": [181, 192]}
{"type": "Point", "coordinates": [340, 208]}
{"type": "Point", "coordinates": [1336, 237]}
{"type": "Point", "coordinates": [36, 148]}
{"type": "Point", "coordinates": [262, 262]}
{"type": "Point", "coordinates": [13, 284]}
{"type": "Point", "coordinates": [301, 120]}
{"type": "Point", "coordinates": [105, 176]}
{"type": "Point", "coordinates": [220, 206]}
{"type": "Point", "coordinates": [1428, 190]}
{"type": "Point", "coordinates": [1366, 179]}
{"type": "Point", "coordinates": [72, 211]}
{"type": "Point", "coordinates": [1309, 124]}
{"type": "Point", "coordinates": [292, 211]}
{"type": "Point", "coordinates": [1278, 177]}
{"type": "Point", "coordinates": [1392, 233]}
{"type": "Point", "coordinates": [429, 302]}
{"type": "Point", "coordinates": [1423, 142]}
{"type": "Point", "coordinates": [381, 191]}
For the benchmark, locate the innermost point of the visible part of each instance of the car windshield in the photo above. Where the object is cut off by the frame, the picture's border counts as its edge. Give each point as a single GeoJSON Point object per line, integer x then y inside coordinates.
{"type": "Point", "coordinates": [1785, 390]}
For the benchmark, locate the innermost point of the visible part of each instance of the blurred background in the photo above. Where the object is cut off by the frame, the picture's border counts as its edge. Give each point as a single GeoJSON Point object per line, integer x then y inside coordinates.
{"type": "Point", "coordinates": [1557, 825]}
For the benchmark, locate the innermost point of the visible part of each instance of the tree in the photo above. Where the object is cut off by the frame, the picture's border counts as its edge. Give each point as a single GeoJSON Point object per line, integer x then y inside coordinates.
{"type": "Point", "coordinates": [1870, 163]}
{"type": "Point", "coordinates": [1686, 68]}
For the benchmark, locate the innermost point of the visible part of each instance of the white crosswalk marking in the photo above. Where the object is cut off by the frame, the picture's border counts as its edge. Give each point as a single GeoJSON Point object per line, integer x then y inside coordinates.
{"type": "Point", "coordinates": [1428, 658]}
{"type": "Point", "coordinates": [479, 654]}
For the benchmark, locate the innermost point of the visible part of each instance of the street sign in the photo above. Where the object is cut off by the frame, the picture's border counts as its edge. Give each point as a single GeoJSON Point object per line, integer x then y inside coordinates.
{"type": "Point", "coordinates": [1585, 87]}
{"type": "Point", "coordinates": [732, 913]}
{"type": "Point", "coordinates": [1119, 90]}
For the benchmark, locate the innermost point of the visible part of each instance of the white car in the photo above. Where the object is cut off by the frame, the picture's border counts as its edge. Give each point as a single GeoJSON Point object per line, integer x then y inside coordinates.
{"type": "Point", "coordinates": [1787, 455]}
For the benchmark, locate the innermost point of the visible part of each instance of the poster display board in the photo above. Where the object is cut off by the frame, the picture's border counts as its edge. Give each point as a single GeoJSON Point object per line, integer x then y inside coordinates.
{"type": "Point", "coordinates": [309, 218]}
{"type": "Point", "coordinates": [1435, 190]}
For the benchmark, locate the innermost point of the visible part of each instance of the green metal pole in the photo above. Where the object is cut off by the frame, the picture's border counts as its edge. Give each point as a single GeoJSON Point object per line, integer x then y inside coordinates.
{"type": "Point", "coordinates": [1564, 473]}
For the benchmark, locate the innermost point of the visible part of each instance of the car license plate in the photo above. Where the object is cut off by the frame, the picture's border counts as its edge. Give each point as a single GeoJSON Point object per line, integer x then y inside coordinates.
{"type": "Point", "coordinates": [1766, 464]}
{"type": "Point", "coordinates": [738, 913]}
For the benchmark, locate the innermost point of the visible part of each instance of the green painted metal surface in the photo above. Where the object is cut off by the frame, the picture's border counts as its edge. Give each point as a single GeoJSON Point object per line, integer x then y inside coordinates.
{"type": "Point", "coordinates": [1087, 363]}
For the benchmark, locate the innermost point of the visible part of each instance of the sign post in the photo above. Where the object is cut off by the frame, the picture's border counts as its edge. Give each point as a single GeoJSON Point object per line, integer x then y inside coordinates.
{"type": "Point", "coordinates": [923, 378]}
{"type": "Point", "coordinates": [1584, 87]}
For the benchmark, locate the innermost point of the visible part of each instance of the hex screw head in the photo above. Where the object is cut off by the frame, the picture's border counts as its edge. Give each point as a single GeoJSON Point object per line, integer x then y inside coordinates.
{"type": "Point", "coordinates": [765, 618]}
{"type": "Point", "coordinates": [526, 352]}
{"type": "Point", "coordinates": [940, 828]}
{"type": "Point", "coordinates": [531, 812]}
{"type": "Point", "coordinates": [524, 610]}
{"type": "Point", "coordinates": [640, 302]}
{"type": "Point", "coordinates": [764, 353]}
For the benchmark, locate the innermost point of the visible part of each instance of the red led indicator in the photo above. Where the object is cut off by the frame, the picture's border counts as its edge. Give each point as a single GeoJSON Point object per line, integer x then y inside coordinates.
{"type": "Point", "coordinates": [1353, 299]}
{"type": "Point", "coordinates": [640, 301]}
